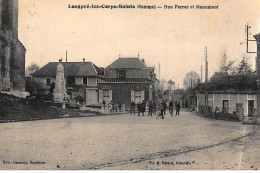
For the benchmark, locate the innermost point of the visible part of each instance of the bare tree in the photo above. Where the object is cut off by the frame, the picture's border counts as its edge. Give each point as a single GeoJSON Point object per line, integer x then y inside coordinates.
{"type": "Point", "coordinates": [163, 85]}
{"type": "Point", "coordinates": [190, 79]}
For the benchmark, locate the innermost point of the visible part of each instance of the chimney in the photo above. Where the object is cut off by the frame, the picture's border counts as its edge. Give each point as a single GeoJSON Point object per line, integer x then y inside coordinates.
{"type": "Point", "coordinates": [143, 60]}
{"type": "Point", "coordinates": [84, 60]}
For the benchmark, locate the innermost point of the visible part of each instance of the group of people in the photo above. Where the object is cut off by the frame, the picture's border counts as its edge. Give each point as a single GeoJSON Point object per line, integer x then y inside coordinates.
{"type": "Point", "coordinates": [114, 107]}
{"type": "Point", "coordinates": [153, 108]}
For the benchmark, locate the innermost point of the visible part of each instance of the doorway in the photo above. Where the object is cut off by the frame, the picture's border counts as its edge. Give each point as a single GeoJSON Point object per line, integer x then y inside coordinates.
{"type": "Point", "coordinates": [250, 108]}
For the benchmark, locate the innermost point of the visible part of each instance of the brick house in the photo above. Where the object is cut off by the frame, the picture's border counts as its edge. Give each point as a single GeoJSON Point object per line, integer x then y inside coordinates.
{"type": "Point", "coordinates": [82, 79]}
{"type": "Point", "coordinates": [128, 79]}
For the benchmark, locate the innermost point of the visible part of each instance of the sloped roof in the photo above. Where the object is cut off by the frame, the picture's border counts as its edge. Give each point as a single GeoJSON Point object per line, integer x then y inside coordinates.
{"type": "Point", "coordinates": [74, 69]}
{"type": "Point", "coordinates": [127, 63]}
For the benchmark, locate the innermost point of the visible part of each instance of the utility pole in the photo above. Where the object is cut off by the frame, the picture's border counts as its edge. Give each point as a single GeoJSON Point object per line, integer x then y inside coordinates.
{"type": "Point", "coordinates": [247, 37]}
{"type": "Point", "coordinates": [257, 37]}
{"type": "Point", "coordinates": [201, 74]}
{"type": "Point", "coordinates": [178, 93]}
{"type": "Point", "coordinates": [159, 72]}
{"type": "Point", "coordinates": [206, 81]}
{"type": "Point", "coordinates": [66, 68]}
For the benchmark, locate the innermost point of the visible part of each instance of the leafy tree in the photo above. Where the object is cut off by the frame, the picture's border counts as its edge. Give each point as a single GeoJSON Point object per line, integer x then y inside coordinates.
{"type": "Point", "coordinates": [226, 66]}
{"type": "Point", "coordinates": [34, 88]}
{"type": "Point", "coordinates": [171, 84]}
{"type": "Point", "coordinates": [244, 68]}
{"type": "Point", "coordinates": [190, 79]}
{"type": "Point", "coordinates": [33, 67]}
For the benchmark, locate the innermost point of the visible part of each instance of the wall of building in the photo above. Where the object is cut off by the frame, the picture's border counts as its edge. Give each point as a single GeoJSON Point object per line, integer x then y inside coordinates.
{"type": "Point", "coordinates": [216, 99]}
{"type": "Point", "coordinates": [122, 91]}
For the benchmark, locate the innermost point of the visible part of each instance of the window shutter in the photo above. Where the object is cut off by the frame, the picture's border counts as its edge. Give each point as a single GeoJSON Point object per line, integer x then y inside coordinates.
{"type": "Point", "coordinates": [132, 95]}
{"type": "Point", "coordinates": [100, 96]}
{"type": "Point", "coordinates": [142, 95]}
{"type": "Point", "coordinates": [110, 96]}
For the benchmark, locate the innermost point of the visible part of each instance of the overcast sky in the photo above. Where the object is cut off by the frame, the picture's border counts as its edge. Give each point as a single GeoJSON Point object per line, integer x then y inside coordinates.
{"type": "Point", "coordinates": [174, 38]}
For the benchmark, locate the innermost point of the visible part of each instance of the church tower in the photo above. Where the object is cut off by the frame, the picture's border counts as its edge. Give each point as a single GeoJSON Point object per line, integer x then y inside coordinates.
{"type": "Point", "coordinates": [12, 52]}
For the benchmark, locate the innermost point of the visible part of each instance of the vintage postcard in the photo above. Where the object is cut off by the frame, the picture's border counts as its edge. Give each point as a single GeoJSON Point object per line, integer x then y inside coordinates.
{"type": "Point", "coordinates": [129, 84]}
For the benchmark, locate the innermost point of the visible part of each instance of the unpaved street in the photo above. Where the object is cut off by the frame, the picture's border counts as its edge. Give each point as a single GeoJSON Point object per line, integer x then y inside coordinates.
{"type": "Point", "coordinates": [126, 142]}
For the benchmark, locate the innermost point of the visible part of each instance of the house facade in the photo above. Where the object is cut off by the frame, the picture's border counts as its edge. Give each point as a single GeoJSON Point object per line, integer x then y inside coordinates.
{"type": "Point", "coordinates": [228, 94]}
{"type": "Point", "coordinates": [229, 101]}
{"type": "Point", "coordinates": [82, 79]}
{"type": "Point", "coordinates": [126, 80]}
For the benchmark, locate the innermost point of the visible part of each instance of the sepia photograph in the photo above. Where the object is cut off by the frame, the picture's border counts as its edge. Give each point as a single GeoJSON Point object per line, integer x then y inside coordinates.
{"type": "Point", "coordinates": [129, 85]}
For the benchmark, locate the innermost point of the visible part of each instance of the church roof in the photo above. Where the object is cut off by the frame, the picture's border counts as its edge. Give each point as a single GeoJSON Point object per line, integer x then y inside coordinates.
{"type": "Point", "coordinates": [74, 69]}
{"type": "Point", "coordinates": [127, 63]}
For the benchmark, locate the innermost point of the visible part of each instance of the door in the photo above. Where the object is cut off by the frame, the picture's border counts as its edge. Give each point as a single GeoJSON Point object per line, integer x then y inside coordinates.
{"type": "Point", "coordinates": [138, 98]}
{"type": "Point", "coordinates": [225, 106]}
{"type": "Point", "coordinates": [106, 96]}
{"type": "Point", "coordinates": [91, 97]}
{"type": "Point", "coordinates": [250, 108]}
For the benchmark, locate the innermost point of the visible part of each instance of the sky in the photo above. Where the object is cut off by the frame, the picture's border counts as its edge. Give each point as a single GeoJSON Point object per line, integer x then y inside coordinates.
{"type": "Point", "coordinates": [173, 38]}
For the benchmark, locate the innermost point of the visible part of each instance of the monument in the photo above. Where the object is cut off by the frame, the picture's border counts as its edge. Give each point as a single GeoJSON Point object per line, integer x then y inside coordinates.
{"type": "Point", "coordinates": [60, 94]}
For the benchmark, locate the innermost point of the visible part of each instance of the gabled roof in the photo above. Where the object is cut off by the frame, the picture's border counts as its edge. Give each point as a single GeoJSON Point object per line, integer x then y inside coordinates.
{"type": "Point", "coordinates": [74, 69]}
{"type": "Point", "coordinates": [127, 63]}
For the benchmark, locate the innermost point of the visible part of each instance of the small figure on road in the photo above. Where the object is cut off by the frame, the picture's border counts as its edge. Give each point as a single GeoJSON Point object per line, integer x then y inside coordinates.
{"type": "Point", "coordinates": [178, 107]}
{"type": "Point", "coordinates": [119, 105]}
{"type": "Point", "coordinates": [143, 105]}
{"type": "Point", "coordinates": [132, 107]}
{"type": "Point", "coordinates": [150, 108]}
{"type": "Point", "coordinates": [154, 108]}
{"type": "Point", "coordinates": [164, 106]}
{"type": "Point", "coordinates": [171, 108]}
{"type": "Point", "coordinates": [139, 107]}
{"type": "Point", "coordinates": [162, 109]}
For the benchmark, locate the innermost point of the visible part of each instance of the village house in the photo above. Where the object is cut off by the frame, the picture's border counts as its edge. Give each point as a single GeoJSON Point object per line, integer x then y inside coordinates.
{"type": "Point", "coordinates": [82, 79]}
{"type": "Point", "coordinates": [126, 80]}
{"type": "Point", "coordinates": [229, 95]}
{"type": "Point", "coordinates": [12, 51]}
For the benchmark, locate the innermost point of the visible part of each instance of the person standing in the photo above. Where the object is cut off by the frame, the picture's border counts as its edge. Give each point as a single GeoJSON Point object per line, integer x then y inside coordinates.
{"type": "Point", "coordinates": [162, 109]}
{"type": "Point", "coordinates": [132, 109]}
{"type": "Point", "coordinates": [119, 105]}
{"type": "Point", "coordinates": [154, 108]}
{"type": "Point", "coordinates": [143, 107]}
{"type": "Point", "coordinates": [139, 108]}
{"type": "Point", "coordinates": [164, 106]}
{"type": "Point", "coordinates": [150, 108]}
{"type": "Point", "coordinates": [178, 107]}
{"type": "Point", "coordinates": [171, 108]}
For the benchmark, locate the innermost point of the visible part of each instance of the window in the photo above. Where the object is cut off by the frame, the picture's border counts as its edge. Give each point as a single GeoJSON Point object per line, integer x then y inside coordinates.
{"type": "Point", "coordinates": [121, 74]}
{"type": "Point", "coordinates": [48, 81]}
{"type": "Point", "coordinates": [85, 81]}
{"type": "Point", "coordinates": [71, 80]}
{"type": "Point", "coordinates": [92, 81]}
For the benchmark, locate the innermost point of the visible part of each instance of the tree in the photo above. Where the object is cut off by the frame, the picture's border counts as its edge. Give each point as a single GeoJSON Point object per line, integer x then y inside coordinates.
{"type": "Point", "coordinates": [244, 68]}
{"type": "Point", "coordinates": [190, 79]}
{"type": "Point", "coordinates": [33, 67]}
{"type": "Point", "coordinates": [226, 66]}
{"type": "Point", "coordinates": [163, 85]}
{"type": "Point", "coordinates": [170, 84]}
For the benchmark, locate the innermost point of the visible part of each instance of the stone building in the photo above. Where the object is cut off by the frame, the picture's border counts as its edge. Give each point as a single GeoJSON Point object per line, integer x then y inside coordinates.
{"type": "Point", "coordinates": [12, 51]}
